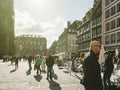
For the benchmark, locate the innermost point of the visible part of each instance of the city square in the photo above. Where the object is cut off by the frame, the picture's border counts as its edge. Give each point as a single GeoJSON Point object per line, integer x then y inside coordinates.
{"type": "Point", "coordinates": [81, 38]}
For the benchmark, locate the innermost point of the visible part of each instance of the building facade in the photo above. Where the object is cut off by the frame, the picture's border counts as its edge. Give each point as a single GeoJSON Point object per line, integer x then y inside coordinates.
{"type": "Point", "coordinates": [90, 28]}
{"type": "Point", "coordinates": [67, 41]}
{"type": "Point", "coordinates": [111, 24]}
{"type": "Point", "coordinates": [6, 27]}
{"type": "Point", "coordinates": [101, 22]}
{"type": "Point", "coordinates": [54, 49]}
{"type": "Point", "coordinates": [30, 45]}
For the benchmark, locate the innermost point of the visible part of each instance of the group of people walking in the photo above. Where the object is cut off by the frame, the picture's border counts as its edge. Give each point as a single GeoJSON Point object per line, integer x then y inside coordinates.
{"type": "Point", "coordinates": [42, 62]}
{"type": "Point", "coordinates": [92, 79]}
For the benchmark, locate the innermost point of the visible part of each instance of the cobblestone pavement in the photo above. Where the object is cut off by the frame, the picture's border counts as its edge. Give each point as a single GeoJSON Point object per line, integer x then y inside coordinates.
{"type": "Point", "coordinates": [22, 79]}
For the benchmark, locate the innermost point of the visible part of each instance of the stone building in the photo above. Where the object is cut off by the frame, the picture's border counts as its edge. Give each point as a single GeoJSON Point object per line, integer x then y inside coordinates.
{"type": "Point", "coordinates": [101, 22]}
{"type": "Point", "coordinates": [90, 28]}
{"type": "Point", "coordinates": [111, 24]}
{"type": "Point", "coordinates": [67, 46]}
{"type": "Point", "coordinates": [6, 27]}
{"type": "Point", "coordinates": [30, 45]}
{"type": "Point", "coordinates": [54, 48]}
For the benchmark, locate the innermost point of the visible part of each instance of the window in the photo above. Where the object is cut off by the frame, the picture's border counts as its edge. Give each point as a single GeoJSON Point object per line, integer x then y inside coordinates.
{"type": "Point", "coordinates": [106, 2]}
{"type": "Point", "coordinates": [107, 39]}
{"type": "Point", "coordinates": [80, 38]}
{"type": "Point", "coordinates": [118, 22]}
{"type": "Point", "coordinates": [118, 37]}
{"type": "Point", "coordinates": [93, 32]}
{"type": "Point", "coordinates": [113, 10]}
{"type": "Point", "coordinates": [98, 20]}
{"type": "Point", "coordinates": [112, 1]}
{"type": "Point", "coordinates": [113, 24]}
{"type": "Point", "coordinates": [113, 38]}
{"type": "Point", "coordinates": [88, 35]}
{"type": "Point", "coordinates": [118, 7]}
{"type": "Point", "coordinates": [107, 26]}
{"type": "Point", "coordinates": [107, 14]}
{"type": "Point", "coordinates": [99, 30]}
{"type": "Point", "coordinates": [93, 22]}
{"type": "Point", "coordinates": [84, 37]}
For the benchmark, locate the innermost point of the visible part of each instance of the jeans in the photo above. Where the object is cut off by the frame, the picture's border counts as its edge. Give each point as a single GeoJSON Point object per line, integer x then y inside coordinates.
{"type": "Point", "coordinates": [30, 67]}
{"type": "Point", "coordinates": [49, 72]}
{"type": "Point", "coordinates": [106, 81]}
{"type": "Point", "coordinates": [38, 69]}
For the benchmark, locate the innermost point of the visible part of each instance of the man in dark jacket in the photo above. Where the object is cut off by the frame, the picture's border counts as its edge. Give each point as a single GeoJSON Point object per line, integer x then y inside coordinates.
{"type": "Point", "coordinates": [108, 69]}
{"type": "Point", "coordinates": [29, 62]}
{"type": "Point", "coordinates": [49, 64]}
{"type": "Point", "coordinates": [91, 68]}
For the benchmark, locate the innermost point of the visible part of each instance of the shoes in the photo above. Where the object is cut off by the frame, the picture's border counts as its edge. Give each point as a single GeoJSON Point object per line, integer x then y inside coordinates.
{"type": "Point", "coordinates": [51, 79]}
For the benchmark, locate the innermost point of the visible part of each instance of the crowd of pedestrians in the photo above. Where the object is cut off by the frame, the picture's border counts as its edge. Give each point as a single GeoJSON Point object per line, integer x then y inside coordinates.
{"type": "Point", "coordinates": [93, 76]}
{"type": "Point", "coordinates": [42, 64]}
{"type": "Point", "coordinates": [91, 68]}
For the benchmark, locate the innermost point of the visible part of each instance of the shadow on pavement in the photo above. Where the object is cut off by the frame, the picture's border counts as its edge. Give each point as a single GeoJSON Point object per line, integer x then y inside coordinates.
{"type": "Point", "coordinates": [44, 71]}
{"type": "Point", "coordinates": [65, 71]}
{"type": "Point", "coordinates": [11, 65]}
{"type": "Point", "coordinates": [37, 78]}
{"type": "Point", "coordinates": [76, 76]}
{"type": "Point", "coordinates": [60, 67]}
{"type": "Point", "coordinates": [28, 72]}
{"type": "Point", "coordinates": [55, 76]}
{"type": "Point", "coordinates": [13, 70]}
{"type": "Point", "coordinates": [54, 85]}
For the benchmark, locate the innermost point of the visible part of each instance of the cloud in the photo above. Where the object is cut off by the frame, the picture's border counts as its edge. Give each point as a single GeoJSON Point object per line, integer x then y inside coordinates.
{"type": "Point", "coordinates": [26, 24]}
{"type": "Point", "coordinates": [53, 28]}
{"type": "Point", "coordinates": [23, 19]}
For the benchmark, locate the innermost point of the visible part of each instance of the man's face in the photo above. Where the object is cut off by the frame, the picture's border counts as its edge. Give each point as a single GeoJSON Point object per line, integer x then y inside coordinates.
{"type": "Point", "coordinates": [96, 47]}
{"type": "Point", "coordinates": [106, 55]}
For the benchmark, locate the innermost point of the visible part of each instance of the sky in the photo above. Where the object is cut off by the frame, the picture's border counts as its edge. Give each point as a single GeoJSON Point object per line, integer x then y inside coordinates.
{"type": "Point", "coordinates": [48, 18]}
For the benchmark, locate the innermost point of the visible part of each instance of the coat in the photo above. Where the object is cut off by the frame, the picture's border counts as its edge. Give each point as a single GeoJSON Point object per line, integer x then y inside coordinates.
{"type": "Point", "coordinates": [92, 73]}
{"type": "Point", "coordinates": [38, 61]}
{"type": "Point", "coordinates": [50, 62]}
{"type": "Point", "coordinates": [108, 66]}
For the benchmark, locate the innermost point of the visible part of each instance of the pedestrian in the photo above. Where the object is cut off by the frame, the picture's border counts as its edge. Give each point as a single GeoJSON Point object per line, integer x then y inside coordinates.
{"type": "Point", "coordinates": [43, 63]}
{"type": "Point", "coordinates": [49, 64]}
{"type": "Point", "coordinates": [37, 64]}
{"type": "Point", "coordinates": [108, 70]}
{"type": "Point", "coordinates": [16, 62]}
{"type": "Point", "coordinates": [91, 68]}
{"type": "Point", "coordinates": [29, 62]}
{"type": "Point", "coordinates": [69, 66]}
{"type": "Point", "coordinates": [11, 59]}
